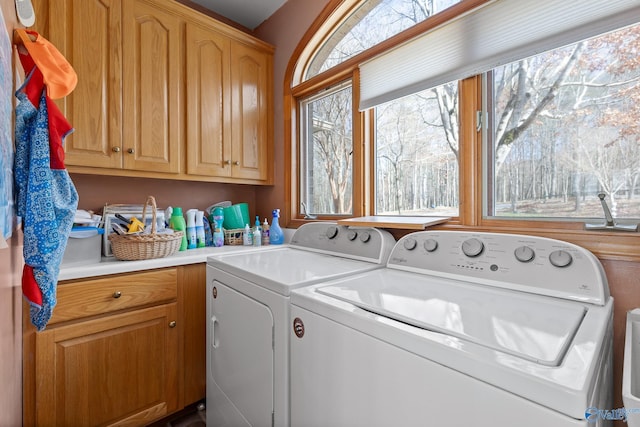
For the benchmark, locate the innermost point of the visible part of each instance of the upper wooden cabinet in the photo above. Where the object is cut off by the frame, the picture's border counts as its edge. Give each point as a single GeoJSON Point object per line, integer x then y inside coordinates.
{"type": "Point", "coordinates": [89, 34]}
{"type": "Point", "coordinates": [228, 99]}
{"type": "Point", "coordinates": [151, 87]}
{"type": "Point", "coordinates": [163, 91]}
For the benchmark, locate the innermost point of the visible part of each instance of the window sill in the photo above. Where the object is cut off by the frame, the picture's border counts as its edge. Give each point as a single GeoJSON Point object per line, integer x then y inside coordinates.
{"type": "Point", "coordinates": [395, 222]}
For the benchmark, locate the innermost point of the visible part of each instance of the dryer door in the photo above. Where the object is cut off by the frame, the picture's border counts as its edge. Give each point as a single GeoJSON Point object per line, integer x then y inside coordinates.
{"type": "Point", "coordinates": [241, 360]}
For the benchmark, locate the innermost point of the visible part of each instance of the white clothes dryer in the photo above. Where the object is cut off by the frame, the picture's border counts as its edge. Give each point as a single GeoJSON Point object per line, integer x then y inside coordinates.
{"type": "Point", "coordinates": [248, 316]}
{"type": "Point", "coordinates": [460, 329]}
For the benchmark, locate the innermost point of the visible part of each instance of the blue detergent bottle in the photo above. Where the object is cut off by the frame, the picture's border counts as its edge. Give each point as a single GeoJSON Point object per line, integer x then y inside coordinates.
{"type": "Point", "coordinates": [276, 235]}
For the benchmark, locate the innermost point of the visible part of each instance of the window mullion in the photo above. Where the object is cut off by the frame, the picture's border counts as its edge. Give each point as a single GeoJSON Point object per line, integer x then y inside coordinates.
{"type": "Point", "coordinates": [470, 152]}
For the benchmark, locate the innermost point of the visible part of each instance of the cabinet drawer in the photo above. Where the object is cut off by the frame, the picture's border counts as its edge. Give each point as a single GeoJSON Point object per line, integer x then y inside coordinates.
{"type": "Point", "coordinates": [77, 299]}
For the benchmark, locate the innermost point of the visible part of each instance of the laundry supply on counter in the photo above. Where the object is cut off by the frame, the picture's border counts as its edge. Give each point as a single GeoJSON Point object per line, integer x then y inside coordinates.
{"type": "Point", "coordinates": [218, 232]}
{"type": "Point", "coordinates": [200, 243]}
{"type": "Point", "coordinates": [257, 233]}
{"type": "Point", "coordinates": [177, 223]}
{"type": "Point", "coordinates": [265, 232]}
{"type": "Point", "coordinates": [276, 235]}
{"type": "Point", "coordinates": [208, 233]}
{"type": "Point", "coordinates": [46, 199]}
{"type": "Point", "coordinates": [247, 236]}
{"type": "Point", "coordinates": [191, 229]}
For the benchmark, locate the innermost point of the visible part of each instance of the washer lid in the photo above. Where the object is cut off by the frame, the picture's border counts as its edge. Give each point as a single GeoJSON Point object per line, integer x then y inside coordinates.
{"type": "Point", "coordinates": [285, 268]}
{"type": "Point", "coordinates": [529, 326]}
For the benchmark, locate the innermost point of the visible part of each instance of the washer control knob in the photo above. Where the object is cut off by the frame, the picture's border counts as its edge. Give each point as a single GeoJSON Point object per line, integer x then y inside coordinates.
{"type": "Point", "coordinates": [410, 244]}
{"type": "Point", "coordinates": [524, 254]}
{"type": "Point", "coordinates": [352, 235]}
{"type": "Point", "coordinates": [472, 247]}
{"type": "Point", "coordinates": [332, 232]}
{"type": "Point", "coordinates": [560, 258]}
{"type": "Point", "coordinates": [430, 245]}
{"type": "Point", "coordinates": [365, 236]}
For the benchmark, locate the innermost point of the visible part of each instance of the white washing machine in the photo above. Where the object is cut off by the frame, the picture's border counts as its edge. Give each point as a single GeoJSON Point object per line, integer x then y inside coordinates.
{"type": "Point", "coordinates": [460, 329]}
{"type": "Point", "coordinates": [248, 316]}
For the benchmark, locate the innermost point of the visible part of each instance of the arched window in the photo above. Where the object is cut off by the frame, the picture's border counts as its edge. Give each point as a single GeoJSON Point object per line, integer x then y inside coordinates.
{"type": "Point", "coordinates": [484, 111]}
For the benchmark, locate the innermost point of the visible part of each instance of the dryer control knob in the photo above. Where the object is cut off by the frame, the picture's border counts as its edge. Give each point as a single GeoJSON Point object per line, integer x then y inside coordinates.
{"type": "Point", "coordinates": [410, 244]}
{"type": "Point", "coordinates": [472, 247]}
{"type": "Point", "coordinates": [560, 258]}
{"type": "Point", "coordinates": [365, 236]}
{"type": "Point", "coordinates": [332, 232]}
{"type": "Point", "coordinates": [352, 235]}
{"type": "Point", "coordinates": [524, 254]}
{"type": "Point", "coordinates": [430, 245]}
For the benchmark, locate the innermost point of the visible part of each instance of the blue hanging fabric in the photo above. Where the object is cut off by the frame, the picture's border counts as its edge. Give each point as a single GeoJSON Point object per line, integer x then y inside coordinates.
{"type": "Point", "coordinates": [46, 199]}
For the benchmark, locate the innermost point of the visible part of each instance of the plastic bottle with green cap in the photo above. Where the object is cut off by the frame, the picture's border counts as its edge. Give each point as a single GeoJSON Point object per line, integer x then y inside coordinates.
{"type": "Point", "coordinates": [177, 223]}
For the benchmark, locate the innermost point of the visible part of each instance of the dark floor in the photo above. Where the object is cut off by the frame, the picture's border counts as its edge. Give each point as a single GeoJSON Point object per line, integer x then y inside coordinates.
{"type": "Point", "coordinates": [193, 416]}
{"type": "Point", "coordinates": [195, 419]}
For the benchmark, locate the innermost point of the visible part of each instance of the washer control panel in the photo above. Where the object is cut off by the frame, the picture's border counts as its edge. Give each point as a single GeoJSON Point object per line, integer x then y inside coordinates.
{"type": "Point", "coordinates": [525, 263]}
{"type": "Point", "coordinates": [369, 244]}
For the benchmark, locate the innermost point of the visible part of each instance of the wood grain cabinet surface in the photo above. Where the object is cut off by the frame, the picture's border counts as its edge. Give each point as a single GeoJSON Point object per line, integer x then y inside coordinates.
{"type": "Point", "coordinates": [126, 349]}
{"type": "Point", "coordinates": [163, 91]}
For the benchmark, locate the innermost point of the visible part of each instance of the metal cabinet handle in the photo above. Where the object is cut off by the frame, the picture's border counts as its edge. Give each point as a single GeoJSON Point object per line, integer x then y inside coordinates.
{"type": "Point", "coordinates": [172, 324]}
{"type": "Point", "coordinates": [117, 294]}
{"type": "Point", "coordinates": [130, 151]}
{"type": "Point", "coordinates": [115, 149]}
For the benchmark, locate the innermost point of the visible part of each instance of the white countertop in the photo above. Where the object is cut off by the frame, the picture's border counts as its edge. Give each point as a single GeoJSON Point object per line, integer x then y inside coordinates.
{"type": "Point", "coordinates": [110, 265]}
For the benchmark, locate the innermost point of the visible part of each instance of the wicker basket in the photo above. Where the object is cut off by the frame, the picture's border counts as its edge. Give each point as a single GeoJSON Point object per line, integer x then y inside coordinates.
{"type": "Point", "coordinates": [135, 247]}
{"type": "Point", "coordinates": [234, 237]}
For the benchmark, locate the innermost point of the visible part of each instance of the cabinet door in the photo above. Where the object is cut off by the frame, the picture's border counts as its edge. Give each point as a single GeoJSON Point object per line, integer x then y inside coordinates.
{"type": "Point", "coordinates": [151, 83]}
{"type": "Point", "coordinates": [250, 87]}
{"type": "Point", "coordinates": [117, 370]}
{"type": "Point", "coordinates": [90, 37]}
{"type": "Point", "coordinates": [208, 101]}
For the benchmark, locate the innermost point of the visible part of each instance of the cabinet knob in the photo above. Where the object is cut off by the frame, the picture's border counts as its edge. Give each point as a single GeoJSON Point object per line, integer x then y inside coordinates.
{"type": "Point", "coordinates": [236, 163]}
{"type": "Point", "coordinates": [227, 162]}
{"type": "Point", "coordinates": [115, 149]}
{"type": "Point", "coordinates": [130, 151]}
{"type": "Point", "coordinates": [172, 324]}
{"type": "Point", "coordinates": [117, 294]}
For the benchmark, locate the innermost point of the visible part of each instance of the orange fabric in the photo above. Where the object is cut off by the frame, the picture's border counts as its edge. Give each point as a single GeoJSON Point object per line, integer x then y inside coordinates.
{"type": "Point", "coordinates": [59, 77]}
{"type": "Point", "coordinates": [59, 127]}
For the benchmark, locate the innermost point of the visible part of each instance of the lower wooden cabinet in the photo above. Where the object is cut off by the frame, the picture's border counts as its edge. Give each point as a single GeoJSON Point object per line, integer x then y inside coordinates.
{"type": "Point", "coordinates": [124, 350]}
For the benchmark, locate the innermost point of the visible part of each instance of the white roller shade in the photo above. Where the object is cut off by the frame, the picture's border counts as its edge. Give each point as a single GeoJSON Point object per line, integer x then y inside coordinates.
{"type": "Point", "coordinates": [495, 34]}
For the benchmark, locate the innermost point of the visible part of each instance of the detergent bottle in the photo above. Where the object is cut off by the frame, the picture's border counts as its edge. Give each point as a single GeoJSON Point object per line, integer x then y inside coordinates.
{"type": "Point", "coordinates": [176, 222]}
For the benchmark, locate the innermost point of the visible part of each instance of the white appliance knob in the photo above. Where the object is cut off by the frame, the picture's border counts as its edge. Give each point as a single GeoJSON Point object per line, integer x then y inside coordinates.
{"type": "Point", "coordinates": [365, 236]}
{"type": "Point", "coordinates": [560, 258]}
{"type": "Point", "coordinates": [352, 235]}
{"type": "Point", "coordinates": [472, 247]}
{"type": "Point", "coordinates": [524, 254]}
{"type": "Point", "coordinates": [430, 245]}
{"type": "Point", "coordinates": [332, 232]}
{"type": "Point", "coordinates": [410, 244]}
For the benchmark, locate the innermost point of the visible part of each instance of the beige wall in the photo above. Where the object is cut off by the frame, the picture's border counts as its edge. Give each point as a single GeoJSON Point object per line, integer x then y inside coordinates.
{"type": "Point", "coordinates": [10, 304]}
{"type": "Point", "coordinates": [284, 29]}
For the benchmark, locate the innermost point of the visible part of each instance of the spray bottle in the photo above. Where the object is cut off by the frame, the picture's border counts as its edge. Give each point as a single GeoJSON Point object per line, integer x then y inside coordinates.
{"type": "Point", "coordinates": [276, 235]}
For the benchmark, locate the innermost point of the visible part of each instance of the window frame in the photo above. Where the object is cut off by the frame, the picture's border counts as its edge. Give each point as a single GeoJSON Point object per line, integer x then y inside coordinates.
{"type": "Point", "coordinates": [606, 244]}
